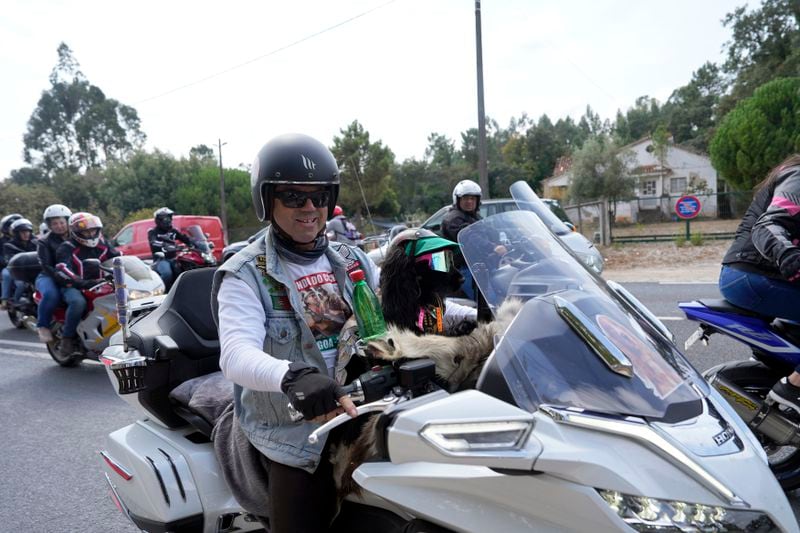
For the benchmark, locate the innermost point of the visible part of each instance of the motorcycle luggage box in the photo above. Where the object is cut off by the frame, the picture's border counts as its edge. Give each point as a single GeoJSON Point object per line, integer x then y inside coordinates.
{"type": "Point", "coordinates": [25, 267]}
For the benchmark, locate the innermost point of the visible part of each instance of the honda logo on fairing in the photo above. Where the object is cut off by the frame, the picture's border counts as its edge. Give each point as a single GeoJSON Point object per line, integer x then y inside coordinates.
{"type": "Point", "coordinates": [308, 163]}
{"type": "Point", "coordinates": [723, 436]}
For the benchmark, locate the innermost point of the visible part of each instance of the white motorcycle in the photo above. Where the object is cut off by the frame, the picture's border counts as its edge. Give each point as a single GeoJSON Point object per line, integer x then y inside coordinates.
{"type": "Point", "coordinates": [586, 417]}
{"type": "Point", "coordinates": [100, 320]}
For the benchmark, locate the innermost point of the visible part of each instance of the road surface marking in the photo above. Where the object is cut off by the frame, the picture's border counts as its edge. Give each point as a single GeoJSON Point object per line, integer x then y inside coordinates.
{"type": "Point", "coordinates": [23, 343]}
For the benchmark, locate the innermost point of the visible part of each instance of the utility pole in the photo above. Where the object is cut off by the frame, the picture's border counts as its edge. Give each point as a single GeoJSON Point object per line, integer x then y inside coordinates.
{"type": "Point", "coordinates": [222, 215]}
{"type": "Point", "coordinates": [483, 169]}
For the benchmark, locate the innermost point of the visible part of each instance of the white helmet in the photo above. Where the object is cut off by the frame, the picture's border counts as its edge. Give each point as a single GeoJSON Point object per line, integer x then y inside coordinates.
{"type": "Point", "coordinates": [56, 210]}
{"type": "Point", "coordinates": [466, 188]}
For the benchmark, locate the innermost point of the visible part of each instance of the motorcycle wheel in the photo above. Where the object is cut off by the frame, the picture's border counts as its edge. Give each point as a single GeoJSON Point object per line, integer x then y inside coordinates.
{"type": "Point", "coordinates": [16, 318]}
{"type": "Point", "coordinates": [53, 349]}
{"type": "Point", "coordinates": [757, 379]}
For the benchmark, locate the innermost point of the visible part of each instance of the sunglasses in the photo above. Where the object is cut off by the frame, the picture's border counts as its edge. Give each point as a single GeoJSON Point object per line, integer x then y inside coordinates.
{"type": "Point", "coordinates": [440, 261]}
{"type": "Point", "coordinates": [296, 199]}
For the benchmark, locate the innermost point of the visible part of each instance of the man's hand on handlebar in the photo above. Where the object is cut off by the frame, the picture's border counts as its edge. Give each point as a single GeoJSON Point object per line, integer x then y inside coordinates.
{"type": "Point", "coordinates": [318, 397]}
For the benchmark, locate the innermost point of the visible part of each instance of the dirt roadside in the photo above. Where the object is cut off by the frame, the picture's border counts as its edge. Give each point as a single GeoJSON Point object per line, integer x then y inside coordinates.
{"type": "Point", "coordinates": [659, 262]}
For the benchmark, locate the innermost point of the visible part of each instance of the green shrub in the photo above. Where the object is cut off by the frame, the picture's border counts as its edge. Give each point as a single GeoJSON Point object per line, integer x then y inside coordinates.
{"type": "Point", "coordinates": [697, 239]}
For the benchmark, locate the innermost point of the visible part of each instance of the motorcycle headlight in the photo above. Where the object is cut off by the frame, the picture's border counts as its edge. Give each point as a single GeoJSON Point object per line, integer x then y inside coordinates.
{"type": "Point", "coordinates": [651, 514]}
{"type": "Point", "coordinates": [137, 294]}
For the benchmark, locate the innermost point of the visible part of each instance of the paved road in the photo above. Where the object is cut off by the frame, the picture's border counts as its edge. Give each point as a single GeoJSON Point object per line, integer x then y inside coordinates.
{"type": "Point", "coordinates": [55, 420]}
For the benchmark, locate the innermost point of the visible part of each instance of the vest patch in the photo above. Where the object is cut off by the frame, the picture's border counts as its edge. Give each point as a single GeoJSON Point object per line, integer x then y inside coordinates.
{"type": "Point", "coordinates": [277, 292]}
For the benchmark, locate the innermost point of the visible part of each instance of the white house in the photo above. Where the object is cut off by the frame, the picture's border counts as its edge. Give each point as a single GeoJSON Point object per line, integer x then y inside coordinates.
{"type": "Point", "coordinates": [684, 171]}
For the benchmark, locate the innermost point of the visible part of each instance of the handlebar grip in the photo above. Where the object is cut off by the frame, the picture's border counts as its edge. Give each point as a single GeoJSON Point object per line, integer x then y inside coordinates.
{"type": "Point", "coordinates": [349, 390]}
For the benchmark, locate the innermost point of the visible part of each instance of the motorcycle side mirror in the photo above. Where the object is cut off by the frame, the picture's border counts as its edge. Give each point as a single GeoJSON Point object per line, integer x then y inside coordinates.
{"type": "Point", "coordinates": [570, 225]}
{"type": "Point", "coordinates": [91, 269]}
{"type": "Point", "coordinates": [165, 347]}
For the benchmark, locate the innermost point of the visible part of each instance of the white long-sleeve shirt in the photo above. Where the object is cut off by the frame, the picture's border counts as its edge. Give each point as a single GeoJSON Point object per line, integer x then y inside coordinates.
{"type": "Point", "coordinates": [241, 334]}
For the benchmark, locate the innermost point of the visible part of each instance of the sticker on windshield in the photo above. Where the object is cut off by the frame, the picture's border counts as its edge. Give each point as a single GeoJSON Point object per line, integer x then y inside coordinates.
{"type": "Point", "coordinates": [648, 365]}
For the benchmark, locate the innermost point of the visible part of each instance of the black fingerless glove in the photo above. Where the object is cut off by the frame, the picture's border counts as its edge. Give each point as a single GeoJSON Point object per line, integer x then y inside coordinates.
{"type": "Point", "coordinates": [310, 392]}
{"type": "Point", "coordinates": [790, 267]}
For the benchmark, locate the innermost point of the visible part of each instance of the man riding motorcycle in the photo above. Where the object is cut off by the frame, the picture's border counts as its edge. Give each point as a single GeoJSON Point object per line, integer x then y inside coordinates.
{"type": "Point", "coordinates": [163, 238]}
{"type": "Point", "coordinates": [85, 242]}
{"type": "Point", "coordinates": [56, 217]}
{"type": "Point", "coordinates": [269, 348]}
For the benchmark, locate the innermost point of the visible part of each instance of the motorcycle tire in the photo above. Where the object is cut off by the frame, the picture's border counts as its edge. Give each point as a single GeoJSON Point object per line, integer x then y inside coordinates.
{"type": "Point", "coordinates": [757, 379]}
{"type": "Point", "coordinates": [53, 349]}
{"type": "Point", "coordinates": [16, 318]}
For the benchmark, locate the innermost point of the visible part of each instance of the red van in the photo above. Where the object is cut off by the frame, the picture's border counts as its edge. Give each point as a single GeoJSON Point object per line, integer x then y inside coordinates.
{"type": "Point", "coordinates": [132, 239]}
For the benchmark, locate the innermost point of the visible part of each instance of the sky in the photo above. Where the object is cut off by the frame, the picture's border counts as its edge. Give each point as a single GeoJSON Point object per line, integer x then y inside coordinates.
{"type": "Point", "coordinates": [245, 71]}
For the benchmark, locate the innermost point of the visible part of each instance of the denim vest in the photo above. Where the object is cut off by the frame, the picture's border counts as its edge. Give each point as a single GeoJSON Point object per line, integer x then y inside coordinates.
{"type": "Point", "coordinates": [264, 416]}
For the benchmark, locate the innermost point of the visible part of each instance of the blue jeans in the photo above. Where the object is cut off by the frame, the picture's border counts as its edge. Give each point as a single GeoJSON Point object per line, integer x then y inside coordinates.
{"type": "Point", "coordinates": [165, 270]}
{"type": "Point", "coordinates": [76, 306]}
{"type": "Point", "coordinates": [754, 292]}
{"type": "Point", "coordinates": [8, 282]}
{"type": "Point", "coordinates": [467, 286]}
{"type": "Point", "coordinates": [51, 297]}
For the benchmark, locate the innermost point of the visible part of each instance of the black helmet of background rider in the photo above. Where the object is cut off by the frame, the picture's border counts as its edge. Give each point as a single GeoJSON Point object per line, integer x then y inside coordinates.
{"type": "Point", "coordinates": [6, 221]}
{"type": "Point", "coordinates": [292, 159]}
{"type": "Point", "coordinates": [466, 188]}
{"type": "Point", "coordinates": [163, 218]}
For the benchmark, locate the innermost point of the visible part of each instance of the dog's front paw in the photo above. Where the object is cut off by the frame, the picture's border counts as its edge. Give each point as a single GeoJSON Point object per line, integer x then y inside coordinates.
{"type": "Point", "coordinates": [383, 348]}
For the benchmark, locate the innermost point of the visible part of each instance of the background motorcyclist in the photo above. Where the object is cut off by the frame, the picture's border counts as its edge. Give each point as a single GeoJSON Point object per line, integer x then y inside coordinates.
{"type": "Point", "coordinates": [465, 211]}
{"type": "Point", "coordinates": [56, 218]}
{"type": "Point", "coordinates": [21, 241]}
{"type": "Point", "coordinates": [340, 229]}
{"type": "Point", "coordinates": [761, 269]}
{"type": "Point", "coordinates": [269, 349]}
{"type": "Point", "coordinates": [164, 238]}
{"type": "Point", "coordinates": [85, 242]}
{"type": "Point", "coordinates": [5, 236]}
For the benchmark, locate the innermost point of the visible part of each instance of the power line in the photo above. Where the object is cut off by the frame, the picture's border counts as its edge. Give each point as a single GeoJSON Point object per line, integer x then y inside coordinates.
{"type": "Point", "coordinates": [273, 52]}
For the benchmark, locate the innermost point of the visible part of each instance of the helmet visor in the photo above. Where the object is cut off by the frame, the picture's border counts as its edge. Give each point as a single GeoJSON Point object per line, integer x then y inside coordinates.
{"type": "Point", "coordinates": [88, 234]}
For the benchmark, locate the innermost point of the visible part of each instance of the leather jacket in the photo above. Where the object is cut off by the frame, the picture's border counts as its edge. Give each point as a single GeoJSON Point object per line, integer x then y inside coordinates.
{"type": "Point", "coordinates": [46, 250]}
{"type": "Point", "coordinates": [161, 239]}
{"type": "Point", "coordinates": [769, 232]}
{"type": "Point", "coordinates": [70, 256]}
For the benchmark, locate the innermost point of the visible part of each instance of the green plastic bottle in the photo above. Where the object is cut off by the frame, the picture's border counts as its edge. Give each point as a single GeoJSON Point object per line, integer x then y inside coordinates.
{"type": "Point", "coordinates": [367, 308]}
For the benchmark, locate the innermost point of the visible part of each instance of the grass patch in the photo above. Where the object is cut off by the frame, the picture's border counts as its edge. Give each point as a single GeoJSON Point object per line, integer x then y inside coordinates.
{"type": "Point", "coordinates": [697, 239]}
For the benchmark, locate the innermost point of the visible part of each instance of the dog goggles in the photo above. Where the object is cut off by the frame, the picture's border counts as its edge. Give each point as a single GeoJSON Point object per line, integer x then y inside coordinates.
{"type": "Point", "coordinates": [296, 199]}
{"type": "Point", "coordinates": [440, 261]}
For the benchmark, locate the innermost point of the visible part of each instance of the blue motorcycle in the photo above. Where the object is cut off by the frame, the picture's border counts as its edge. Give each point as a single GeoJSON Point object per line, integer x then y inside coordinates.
{"type": "Point", "coordinates": [775, 345]}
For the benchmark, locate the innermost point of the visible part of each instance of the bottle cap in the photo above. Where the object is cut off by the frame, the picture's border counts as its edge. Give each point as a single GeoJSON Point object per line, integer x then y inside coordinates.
{"type": "Point", "coordinates": [357, 275]}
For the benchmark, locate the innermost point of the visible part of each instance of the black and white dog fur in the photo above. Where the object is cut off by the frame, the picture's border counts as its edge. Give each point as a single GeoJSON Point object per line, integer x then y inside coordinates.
{"type": "Point", "coordinates": [459, 355]}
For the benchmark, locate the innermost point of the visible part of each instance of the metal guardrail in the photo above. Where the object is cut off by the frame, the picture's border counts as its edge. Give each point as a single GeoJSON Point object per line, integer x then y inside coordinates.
{"type": "Point", "coordinates": [670, 237]}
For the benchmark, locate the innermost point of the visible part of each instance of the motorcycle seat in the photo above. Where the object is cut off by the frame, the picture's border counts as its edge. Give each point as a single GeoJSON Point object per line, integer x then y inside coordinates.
{"type": "Point", "coordinates": [202, 400]}
{"type": "Point", "coordinates": [185, 317]}
{"type": "Point", "coordinates": [724, 306]}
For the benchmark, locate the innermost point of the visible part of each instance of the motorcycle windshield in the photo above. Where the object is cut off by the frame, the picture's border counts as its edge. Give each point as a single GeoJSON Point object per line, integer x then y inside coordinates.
{"type": "Point", "coordinates": [134, 267]}
{"type": "Point", "coordinates": [575, 343]}
{"type": "Point", "coordinates": [198, 237]}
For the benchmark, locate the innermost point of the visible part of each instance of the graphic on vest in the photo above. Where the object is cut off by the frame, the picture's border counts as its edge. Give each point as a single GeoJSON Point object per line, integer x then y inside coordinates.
{"type": "Point", "coordinates": [277, 292]}
{"type": "Point", "coordinates": [324, 309]}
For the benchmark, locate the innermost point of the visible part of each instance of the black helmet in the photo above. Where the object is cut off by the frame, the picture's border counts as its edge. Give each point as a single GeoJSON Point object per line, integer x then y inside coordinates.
{"type": "Point", "coordinates": [20, 225]}
{"type": "Point", "coordinates": [163, 218]}
{"type": "Point", "coordinates": [295, 159]}
{"type": "Point", "coordinates": [5, 223]}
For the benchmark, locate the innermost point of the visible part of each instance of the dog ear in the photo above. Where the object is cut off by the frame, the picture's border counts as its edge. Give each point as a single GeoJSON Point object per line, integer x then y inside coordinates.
{"type": "Point", "coordinates": [400, 290]}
